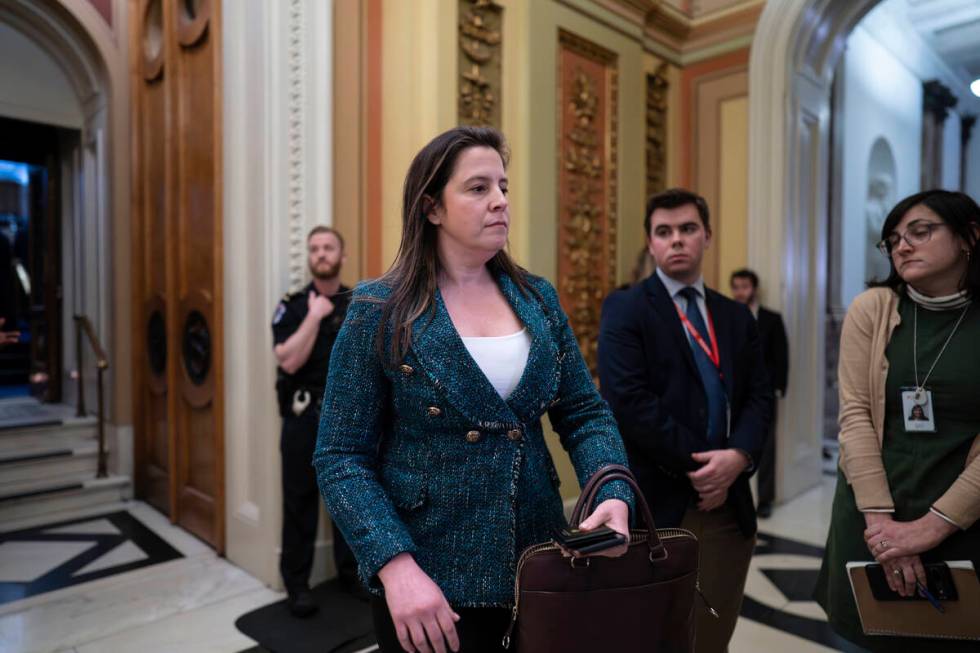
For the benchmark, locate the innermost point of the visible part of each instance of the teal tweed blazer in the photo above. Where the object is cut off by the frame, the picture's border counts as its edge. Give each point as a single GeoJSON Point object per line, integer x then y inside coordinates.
{"type": "Point", "coordinates": [427, 458]}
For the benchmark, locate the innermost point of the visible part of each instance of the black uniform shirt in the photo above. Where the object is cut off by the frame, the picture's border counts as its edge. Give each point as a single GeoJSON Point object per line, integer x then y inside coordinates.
{"type": "Point", "coordinates": [290, 313]}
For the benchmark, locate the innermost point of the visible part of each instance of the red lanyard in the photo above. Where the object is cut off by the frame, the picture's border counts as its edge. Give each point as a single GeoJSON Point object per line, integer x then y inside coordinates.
{"type": "Point", "coordinates": [712, 351]}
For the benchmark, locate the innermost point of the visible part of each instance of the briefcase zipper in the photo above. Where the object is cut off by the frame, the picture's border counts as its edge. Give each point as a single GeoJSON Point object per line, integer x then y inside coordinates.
{"type": "Point", "coordinates": [517, 590]}
{"type": "Point", "coordinates": [635, 536]}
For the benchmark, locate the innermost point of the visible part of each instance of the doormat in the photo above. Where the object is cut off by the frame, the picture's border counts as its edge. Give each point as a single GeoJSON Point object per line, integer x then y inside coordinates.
{"type": "Point", "coordinates": [342, 623]}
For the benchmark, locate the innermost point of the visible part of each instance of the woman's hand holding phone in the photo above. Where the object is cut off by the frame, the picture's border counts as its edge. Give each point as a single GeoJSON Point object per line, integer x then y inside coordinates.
{"type": "Point", "coordinates": [615, 515]}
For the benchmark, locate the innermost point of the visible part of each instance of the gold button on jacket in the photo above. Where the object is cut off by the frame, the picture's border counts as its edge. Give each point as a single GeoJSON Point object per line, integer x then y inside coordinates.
{"type": "Point", "coordinates": [473, 436]}
{"type": "Point", "coordinates": [514, 435]}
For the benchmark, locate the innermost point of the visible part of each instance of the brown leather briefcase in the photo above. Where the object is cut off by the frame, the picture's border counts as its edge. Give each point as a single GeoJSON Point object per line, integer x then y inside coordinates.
{"type": "Point", "coordinates": [641, 601]}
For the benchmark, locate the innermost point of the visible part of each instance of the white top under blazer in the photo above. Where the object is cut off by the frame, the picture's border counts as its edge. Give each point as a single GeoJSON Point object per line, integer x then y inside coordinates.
{"type": "Point", "coordinates": [501, 358]}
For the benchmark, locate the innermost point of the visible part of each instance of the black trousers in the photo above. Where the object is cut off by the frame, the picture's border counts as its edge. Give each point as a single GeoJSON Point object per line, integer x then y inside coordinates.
{"type": "Point", "coordinates": [767, 464]}
{"type": "Point", "coordinates": [301, 506]}
{"type": "Point", "coordinates": [480, 630]}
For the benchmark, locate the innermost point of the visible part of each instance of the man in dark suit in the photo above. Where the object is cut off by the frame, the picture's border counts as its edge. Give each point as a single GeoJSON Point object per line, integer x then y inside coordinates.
{"type": "Point", "coordinates": [775, 352]}
{"type": "Point", "coordinates": [681, 368]}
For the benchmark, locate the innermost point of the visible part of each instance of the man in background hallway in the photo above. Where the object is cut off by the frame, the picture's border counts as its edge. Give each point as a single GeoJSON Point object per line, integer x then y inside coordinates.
{"type": "Point", "coordinates": [681, 369]}
{"type": "Point", "coordinates": [304, 328]}
{"type": "Point", "coordinates": [775, 352]}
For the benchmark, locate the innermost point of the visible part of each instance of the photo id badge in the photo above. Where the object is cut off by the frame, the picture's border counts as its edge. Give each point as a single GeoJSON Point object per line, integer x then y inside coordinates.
{"type": "Point", "coordinates": [917, 410]}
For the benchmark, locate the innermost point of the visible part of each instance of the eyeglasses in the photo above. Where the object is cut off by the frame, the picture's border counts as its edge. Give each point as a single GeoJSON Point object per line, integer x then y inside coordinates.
{"type": "Point", "coordinates": [918, 233]}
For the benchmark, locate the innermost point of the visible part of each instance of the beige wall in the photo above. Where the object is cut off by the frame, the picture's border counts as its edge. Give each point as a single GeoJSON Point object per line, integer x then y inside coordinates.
{"type": "Point", "coordinates": [419, 81]}
{"type": "Point", "coordinates": [733, 187]}
{"type": "Point", "coordinates": [712, 151]}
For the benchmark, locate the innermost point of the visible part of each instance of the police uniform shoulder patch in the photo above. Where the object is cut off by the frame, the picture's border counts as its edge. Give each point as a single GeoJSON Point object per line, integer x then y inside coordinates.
{"type": "Point", "coordinates": [280, 311]}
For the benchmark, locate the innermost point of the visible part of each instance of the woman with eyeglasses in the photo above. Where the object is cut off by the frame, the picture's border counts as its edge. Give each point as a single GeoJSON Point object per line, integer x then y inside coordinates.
{"type": "Point", "coordinates": [908, 489]}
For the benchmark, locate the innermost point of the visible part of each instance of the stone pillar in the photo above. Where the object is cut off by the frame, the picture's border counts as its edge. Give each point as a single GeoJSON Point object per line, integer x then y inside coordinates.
{"type": "Point", "coordinates": [967, 123]}
{"type": "Point", "coordinates": [937, 100]}
{"type": "Point", "coordinates": [277, 59]}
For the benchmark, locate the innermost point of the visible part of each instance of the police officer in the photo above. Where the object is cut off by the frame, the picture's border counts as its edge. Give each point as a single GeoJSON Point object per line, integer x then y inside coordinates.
{"type": "Point", "coordinates": [304, 328]}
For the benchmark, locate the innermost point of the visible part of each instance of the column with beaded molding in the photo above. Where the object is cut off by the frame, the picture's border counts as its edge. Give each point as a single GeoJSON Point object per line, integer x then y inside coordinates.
{"type": "Point", "coordinates": [277, 155]}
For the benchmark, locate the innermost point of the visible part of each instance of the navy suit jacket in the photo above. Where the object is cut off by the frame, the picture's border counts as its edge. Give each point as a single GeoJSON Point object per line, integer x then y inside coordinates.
{"type": "Point", "coordinates": [648, 375]}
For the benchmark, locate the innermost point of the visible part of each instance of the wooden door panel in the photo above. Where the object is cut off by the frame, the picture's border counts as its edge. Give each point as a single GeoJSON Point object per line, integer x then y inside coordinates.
{"type": "Point", "coordinates": [151, 341]}
{"type": "Point", "coordinates": [200, 461]}
{"type": "Point", "coordinates": [197, 472]}
{"type": "Point", "coordinates": [177, 239]}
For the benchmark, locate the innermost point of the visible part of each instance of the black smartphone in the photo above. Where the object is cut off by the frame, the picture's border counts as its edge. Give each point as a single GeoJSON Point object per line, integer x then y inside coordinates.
{"type": "Point", "coordinates": [940, 584]}
{"type": "Point", "coordinates": [584, 542]}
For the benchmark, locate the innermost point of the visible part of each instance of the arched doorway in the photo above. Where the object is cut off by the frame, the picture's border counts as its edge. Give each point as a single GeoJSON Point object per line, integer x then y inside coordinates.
{"type": "Point", "coordinates": [58, 102]}
{"type": "Point", "coordinates": [791, 73]}
{"type": "Point", "coordinates": [71, 79]}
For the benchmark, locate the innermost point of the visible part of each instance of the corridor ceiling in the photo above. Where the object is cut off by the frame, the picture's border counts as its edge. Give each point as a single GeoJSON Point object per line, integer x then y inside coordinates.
{"type": "Point", "coordinates": [952, 29]}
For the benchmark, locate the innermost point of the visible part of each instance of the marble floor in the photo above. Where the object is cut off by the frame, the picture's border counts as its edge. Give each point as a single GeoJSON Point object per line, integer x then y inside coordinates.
{"type": "Point", "coordinates": [186, 603]}
{"type": "Point", "coordinates": [139, 594]}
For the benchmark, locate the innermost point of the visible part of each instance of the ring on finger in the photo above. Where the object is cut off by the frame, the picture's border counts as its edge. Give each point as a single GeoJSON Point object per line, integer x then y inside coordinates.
{"type": "Point", "coordinates": [897, 572]}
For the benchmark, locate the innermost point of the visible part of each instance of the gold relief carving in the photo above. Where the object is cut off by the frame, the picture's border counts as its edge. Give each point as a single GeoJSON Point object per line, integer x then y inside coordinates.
{"type": "Point", "coordinates": [480, 35]}
{"type": "Point", "coordinates": [657, 87]}
{"type": "Point", "coordinates": [587, 185]}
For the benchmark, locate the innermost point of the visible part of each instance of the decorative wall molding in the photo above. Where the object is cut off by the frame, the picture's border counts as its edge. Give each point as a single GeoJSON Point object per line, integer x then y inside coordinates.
{"type": "Point", "coordinates": [278, 72]}
{"type": "Point", "coordinates": [480, 47]}
{"type": "Point", "coordinates": [656, 129]}
{"type": "Point", "coordinates": [587, 119]}
{"type": "Point", "coordinates": [296, 164]}
{"type": "Point", "coordinates": [682, 35]}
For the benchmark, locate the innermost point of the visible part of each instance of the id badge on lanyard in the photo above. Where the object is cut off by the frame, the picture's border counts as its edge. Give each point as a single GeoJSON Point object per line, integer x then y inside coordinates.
{"type": "Point", "coordinates": [917, 410]}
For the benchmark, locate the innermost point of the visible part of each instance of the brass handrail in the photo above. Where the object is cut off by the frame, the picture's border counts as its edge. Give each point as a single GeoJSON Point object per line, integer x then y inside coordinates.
{"type": "Point", "coordinates": [84, 325]}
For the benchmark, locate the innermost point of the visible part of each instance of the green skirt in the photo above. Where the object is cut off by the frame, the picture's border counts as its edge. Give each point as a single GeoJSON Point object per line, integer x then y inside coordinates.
{"type": "Point", "coordinates": [845, 543]}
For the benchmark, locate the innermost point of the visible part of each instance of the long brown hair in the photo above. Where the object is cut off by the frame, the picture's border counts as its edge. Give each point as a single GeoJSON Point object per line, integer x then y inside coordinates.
{"type": "Point", "coordinates": [412, 278]}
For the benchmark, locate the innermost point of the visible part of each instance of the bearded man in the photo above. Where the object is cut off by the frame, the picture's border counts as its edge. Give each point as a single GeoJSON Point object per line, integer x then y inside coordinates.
{"type": "Point", "coordinates": [304, 328]}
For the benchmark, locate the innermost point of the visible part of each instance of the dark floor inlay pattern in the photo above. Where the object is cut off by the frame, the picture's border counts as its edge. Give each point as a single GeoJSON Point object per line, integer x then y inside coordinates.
{"type": "Point", "coordinates": [125, 532]}
{"type": "Point", "coordinates": [796, 585]}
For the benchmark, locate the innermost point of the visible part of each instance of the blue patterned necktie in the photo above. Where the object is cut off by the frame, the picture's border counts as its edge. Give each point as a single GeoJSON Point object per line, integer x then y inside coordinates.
{"type": "Point", "coordinates": [714, 388]}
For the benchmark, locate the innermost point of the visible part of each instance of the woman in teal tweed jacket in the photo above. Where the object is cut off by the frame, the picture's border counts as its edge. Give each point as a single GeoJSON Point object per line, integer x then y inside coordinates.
{"type": "Point", "coordinates": [422, 464]}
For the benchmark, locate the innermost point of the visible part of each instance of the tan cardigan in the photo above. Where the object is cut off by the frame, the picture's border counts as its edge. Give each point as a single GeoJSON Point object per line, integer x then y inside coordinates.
{"type": "Point", "coordinates": [862, 371]}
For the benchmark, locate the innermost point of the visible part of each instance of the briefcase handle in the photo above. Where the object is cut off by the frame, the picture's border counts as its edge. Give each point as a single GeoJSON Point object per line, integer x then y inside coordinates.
{"type": "Point", "coordinates": [608, 474]}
